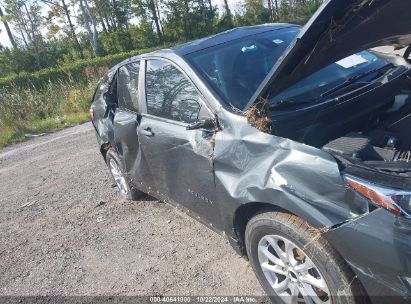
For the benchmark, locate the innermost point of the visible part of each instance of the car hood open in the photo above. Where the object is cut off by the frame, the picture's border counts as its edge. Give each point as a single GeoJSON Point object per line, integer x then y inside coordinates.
{"type": "Point", "coordinates": [338, 29]}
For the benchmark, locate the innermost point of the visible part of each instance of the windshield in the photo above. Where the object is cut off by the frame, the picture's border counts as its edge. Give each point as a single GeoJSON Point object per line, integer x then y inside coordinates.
{"type": "Point", "coordinates": [311, 88]}
{"type": "Point", "coordinates": [235, 69]}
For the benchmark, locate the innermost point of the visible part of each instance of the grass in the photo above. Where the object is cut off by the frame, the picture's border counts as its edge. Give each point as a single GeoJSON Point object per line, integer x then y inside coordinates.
{"type": "Point", "coordinates": [11, 135]}
{"type": "Point", "coordinates": [52, 98]}
{"type": "Point", "coordinates": [74, 70]}
{"type": "Point", "coordinates": [31, 111]}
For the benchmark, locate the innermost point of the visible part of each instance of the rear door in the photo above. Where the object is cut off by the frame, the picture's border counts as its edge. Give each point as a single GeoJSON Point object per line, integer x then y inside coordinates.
{"type": "Point", "coordinates": [126, 123]}
{"type": "Point", "coordinates": [179, 159]}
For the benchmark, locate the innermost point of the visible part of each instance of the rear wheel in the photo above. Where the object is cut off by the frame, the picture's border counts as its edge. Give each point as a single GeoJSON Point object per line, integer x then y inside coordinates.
{"type": "Point", "coordinates": [121, 179]}
{"type": "Point", "coordinates": [295, 264]}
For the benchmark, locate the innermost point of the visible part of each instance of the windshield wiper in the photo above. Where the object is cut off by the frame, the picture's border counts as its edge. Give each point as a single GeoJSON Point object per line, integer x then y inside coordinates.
{"type": "Point", "coordinates": [286, 104]}
{"type": "Point", "coordinates": [354, 78]}
{"type": "Point", "coordinates": [289, 103]}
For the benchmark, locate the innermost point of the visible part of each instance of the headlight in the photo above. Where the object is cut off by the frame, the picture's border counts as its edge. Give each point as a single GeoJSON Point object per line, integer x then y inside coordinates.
{"type": "Point", "coordinates": [395, 201]}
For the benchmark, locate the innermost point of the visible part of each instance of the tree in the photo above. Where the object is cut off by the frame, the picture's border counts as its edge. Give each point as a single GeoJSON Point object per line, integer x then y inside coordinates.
{"type": "Point", "coordinates": [226, 22]}
{"type": "Point", "coordinates": [189, 19]}
{"type": "Point", "coordinates": [60, 8]}
{"type": "Point", "coordinates": [227, 10]}
{"type": "Point", "coordinates": [255, 12]}
{"type": "Point", "coordinates": [104, 15]}
{"type": "Point", "coordinates": [6, 25]}
{"type": "Point", "coordinates": [88, 28]}
{"type": "Point", "coordinates": [27, 19]}
{"type": "Point", "coordinates": [72, 31]}
{"type": "Point", "coordinates": [121, 10]}
{"type": "Point", "coordinates": [276, 9]}
{"type": "Point", "coordinates": [272, 9]}
{"type": "Point", "coordinates": [35, 21]}
{"type": "Point", "coordinates": [148, 10]}
{"type": "Point", "coordinates": [90, 24]}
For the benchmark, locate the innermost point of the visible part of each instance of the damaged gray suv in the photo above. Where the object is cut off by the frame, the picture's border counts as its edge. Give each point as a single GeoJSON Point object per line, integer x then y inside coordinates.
{"type": "Point", "coordinates": [294, 143]}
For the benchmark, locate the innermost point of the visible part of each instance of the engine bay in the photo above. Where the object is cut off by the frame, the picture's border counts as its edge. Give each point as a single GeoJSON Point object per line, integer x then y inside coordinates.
{"type": "Point", "coordinates": [385, 143]}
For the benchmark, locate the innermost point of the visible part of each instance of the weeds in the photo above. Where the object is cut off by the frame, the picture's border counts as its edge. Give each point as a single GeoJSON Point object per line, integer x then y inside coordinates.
{"type": "Point", "coordinates": [257, 116]}
{"type": "Point", "coordinates": [32, 111]}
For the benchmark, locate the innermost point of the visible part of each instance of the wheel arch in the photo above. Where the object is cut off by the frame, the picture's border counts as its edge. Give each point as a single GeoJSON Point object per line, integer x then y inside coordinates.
{"type": "Point", "coordinates": [244, 213]}
{"type": "Point", "coordinates": [103, 150]}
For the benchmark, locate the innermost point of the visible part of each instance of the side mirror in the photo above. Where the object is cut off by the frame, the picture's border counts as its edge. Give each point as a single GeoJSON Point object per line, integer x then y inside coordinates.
{"type": "Point", "coordinates": [207, 124]}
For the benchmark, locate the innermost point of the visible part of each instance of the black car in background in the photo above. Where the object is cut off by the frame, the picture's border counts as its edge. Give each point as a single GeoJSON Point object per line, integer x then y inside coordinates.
{"type": "Point", "coordinates": [294, 143]}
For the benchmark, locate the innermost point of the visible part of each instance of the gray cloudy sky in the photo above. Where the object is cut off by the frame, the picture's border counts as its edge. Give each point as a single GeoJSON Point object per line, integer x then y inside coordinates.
{"type": "Point", "coordinates": [234, 5]}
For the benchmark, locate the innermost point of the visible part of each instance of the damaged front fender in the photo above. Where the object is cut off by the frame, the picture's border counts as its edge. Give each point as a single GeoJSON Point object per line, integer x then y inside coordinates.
{"type": "Point", "coordinates": [377, 246]}
{"type": "Point", "coordinates": [252, 166]}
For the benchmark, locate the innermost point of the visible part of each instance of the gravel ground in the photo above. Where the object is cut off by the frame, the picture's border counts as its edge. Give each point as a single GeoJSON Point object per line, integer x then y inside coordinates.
{"type": "Point", "coordinates": [65, 231]}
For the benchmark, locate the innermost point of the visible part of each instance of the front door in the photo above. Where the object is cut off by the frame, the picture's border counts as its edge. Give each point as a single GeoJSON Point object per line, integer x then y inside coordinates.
{"type": "Point", "coordinates": [179, 159]}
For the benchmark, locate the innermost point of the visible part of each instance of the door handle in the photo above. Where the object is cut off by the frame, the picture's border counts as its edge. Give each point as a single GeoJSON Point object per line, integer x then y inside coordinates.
{"type": "Point", "coordinates": [147, 132]}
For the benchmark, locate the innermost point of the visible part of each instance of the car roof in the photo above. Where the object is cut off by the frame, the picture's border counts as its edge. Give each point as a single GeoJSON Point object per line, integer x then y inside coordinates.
{"type": "Point", "coordinates": [226, 36]}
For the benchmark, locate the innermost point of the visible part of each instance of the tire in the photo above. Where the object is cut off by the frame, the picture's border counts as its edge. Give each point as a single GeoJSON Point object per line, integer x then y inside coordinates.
{"type": "Point", "coordinates": [306, 246]}
{"type": "Point", "coordinates": [121, 179]}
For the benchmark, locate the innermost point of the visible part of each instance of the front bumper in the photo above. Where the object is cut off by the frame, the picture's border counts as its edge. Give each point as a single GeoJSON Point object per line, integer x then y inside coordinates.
{"type": "Point", "coordinates": [377, 246]}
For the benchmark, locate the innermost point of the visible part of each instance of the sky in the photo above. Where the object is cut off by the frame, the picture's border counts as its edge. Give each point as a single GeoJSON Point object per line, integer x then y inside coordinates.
{"type": "Point", "coordinates": [233, 4]}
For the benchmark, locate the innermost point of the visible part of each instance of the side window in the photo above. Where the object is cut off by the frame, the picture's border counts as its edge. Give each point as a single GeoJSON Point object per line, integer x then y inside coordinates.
{"type": "Point", "coordinates": [169, 93]}
{"type": "Point", "coordinates": [127, 86]}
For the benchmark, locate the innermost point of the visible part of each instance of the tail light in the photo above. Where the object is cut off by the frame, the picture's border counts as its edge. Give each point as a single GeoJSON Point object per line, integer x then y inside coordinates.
{"type": "Point", "coordinates": [91, 115]}
{"type": "Point", "coordinates": [393, 200]}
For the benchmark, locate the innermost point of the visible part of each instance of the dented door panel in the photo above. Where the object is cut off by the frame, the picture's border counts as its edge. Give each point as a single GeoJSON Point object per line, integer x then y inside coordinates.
{"type": "Point", "coordinates": [126, 143]}
{"type": "Point", "coordinates": [180, 162]}
{"type": "Point", "coordinates": [125, 137]}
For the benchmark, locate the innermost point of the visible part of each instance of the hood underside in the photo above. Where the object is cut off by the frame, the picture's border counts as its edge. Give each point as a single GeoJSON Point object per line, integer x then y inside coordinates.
{"type": "Point", "coordinates": [338, 29]}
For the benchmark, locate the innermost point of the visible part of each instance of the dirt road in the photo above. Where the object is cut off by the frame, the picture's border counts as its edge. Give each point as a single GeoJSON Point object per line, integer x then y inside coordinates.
{"type": "Point", "coordinates": [65, 231]}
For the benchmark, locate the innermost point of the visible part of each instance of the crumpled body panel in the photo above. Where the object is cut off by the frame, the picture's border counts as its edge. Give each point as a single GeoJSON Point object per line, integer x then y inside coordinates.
{"type": "Point", "coordinates": [252, 166]}
{"type": "Point", "coordinates": [378, 250]}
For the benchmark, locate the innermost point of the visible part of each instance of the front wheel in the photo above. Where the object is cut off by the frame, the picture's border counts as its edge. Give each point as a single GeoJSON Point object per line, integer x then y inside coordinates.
{"type": "Point", "coordinates": [295, 264]}
{"type": "Point", "coordinates": [121, 179]}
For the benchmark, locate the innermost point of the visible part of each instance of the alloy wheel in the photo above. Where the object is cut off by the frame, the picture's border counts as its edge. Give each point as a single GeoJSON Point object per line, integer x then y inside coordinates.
{"type": "Point", "coordinates": [290, 272]}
